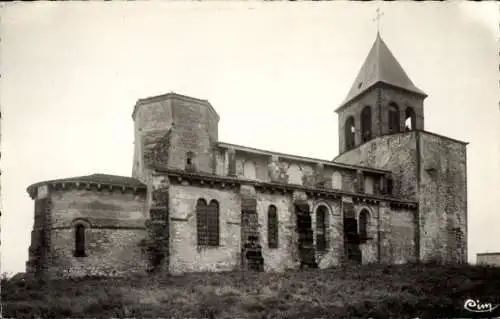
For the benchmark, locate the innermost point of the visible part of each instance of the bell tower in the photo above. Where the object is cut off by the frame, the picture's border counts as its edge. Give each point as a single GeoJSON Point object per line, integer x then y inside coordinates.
{"type": "Point", "coordinates": [382, 100]}
{"type": "Point", "coordinates": [381, 125]}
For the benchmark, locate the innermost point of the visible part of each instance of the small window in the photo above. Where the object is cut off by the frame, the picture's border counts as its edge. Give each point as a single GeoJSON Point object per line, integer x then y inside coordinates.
{"type": "Point", "coordinates": [80, 241]}
{"type": "Point", "coordinates": [272, 227]}
{"type": "Point", "coordinates": [189, 161]}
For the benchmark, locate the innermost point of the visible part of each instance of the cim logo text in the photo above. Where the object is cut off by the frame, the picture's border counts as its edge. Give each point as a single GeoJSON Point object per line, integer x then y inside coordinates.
{"type": "Point", "coordinates": [476, 306]}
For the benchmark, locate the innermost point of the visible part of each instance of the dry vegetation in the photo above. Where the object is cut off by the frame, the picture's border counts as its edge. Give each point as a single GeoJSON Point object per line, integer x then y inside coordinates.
{"type": "Point", "coordinates": [376, 291]}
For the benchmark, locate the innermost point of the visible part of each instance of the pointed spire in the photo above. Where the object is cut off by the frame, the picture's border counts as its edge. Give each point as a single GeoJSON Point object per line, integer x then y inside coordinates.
{"type": "Point", "coordinates": [380, 66]}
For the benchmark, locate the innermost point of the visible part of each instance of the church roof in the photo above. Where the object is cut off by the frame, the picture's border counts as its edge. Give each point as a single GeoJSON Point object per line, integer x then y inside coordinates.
{"type": "Point", "coordinates": [380, 66]}
{"type": "Point", "coordinates": [103, 179]}
{"type": "Point", "coordinates": [170, 96]}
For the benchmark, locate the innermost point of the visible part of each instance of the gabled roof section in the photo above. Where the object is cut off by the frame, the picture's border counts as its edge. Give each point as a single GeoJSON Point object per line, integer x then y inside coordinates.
{"type": "Point", "coordinates": [380, 66]}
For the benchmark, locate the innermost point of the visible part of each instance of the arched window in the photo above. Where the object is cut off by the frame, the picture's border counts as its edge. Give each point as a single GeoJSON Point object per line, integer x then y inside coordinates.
{"type": "Point", "coordinates": [366, 124]}
{"type": "Point", "coordinates": [336, 180]}
{"type": "Point", "coordinates": [364, 218]}
{"type": "Point", "coordinates": [410, 119]}
{"type": "Point", "coordinates": [272, 227]}
{"type": "Point", "coordinates": [321, 228]}
{"type": "Point", "coordinates": [207, 223]}
{"type": "Point", "coordinates": [394, 126]}
{"type": "Point", "coordinates": [201, 222]}
{"type": "Point", "coordinates": [80, 241]}
{"type": "Point", "coordinates": [349, 130]}
{"type": "Point", "coordinates": [213, 223]}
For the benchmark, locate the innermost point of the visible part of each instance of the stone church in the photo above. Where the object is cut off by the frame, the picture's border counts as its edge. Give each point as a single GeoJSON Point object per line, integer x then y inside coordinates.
{"type": "Point", "coordinates": [396, 193]}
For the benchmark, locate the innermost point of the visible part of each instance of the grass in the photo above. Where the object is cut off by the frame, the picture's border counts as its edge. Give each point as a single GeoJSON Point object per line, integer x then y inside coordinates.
{"type": "Point", "coordinates": [368, 291]}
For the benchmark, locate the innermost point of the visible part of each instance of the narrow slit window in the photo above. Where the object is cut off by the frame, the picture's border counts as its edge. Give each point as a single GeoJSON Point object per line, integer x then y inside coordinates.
{"type": "Point", "coordinates": [272, 227]}
{"type": "Point", "coordinates": [80, 241]}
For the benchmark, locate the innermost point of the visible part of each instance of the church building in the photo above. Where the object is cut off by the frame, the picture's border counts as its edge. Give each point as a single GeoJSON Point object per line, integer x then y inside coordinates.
{"type": "Point", "coordinates": [396, 193]}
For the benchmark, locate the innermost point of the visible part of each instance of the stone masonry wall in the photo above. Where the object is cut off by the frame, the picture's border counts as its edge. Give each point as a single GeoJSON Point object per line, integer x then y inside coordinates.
{"type": "Point", "coordinates": [185, 256]}
{"type": "Point", "coordinates": [380, 115]}
{"type": "Point", "coordinates": [110, 252]}
{"type": "Point", "coordinates": [40, 234]}
{"type": "Point", "coordinates": [402, 100]}
{"type": "Point", "coordinates": [99, 208]}
{"type": "Point", "coordinates": [195, 130]}
{"type": "Point", "coordinates": [396, 153]}
{"type": "Point", "coordinates": [443, 200]}
{"type": "Point", "coordinates": [282, 170]}
{"type": "Point", "coordinates": [116, 227]}
{"type": "Point", "coordinates": [442, 193]}
{"type": "Point", "coordinates": [354, 110]}
{"type": "Point", "coordinates": [369, 249]}
{"type": "Point", "coordinates": [397, 235]}
{"type": "Point", "coordinates": [403, 236]}
{"type": "Point", "coordinates": [334, 232]}
{"type": "Point", "coordinates": [152, 121]}
{"type": "Point", "coordinates": [391, 152]}
{"type": "Point", "coordinates": [285, 256]}
{"type": "Point", "coordinates": [252, 166]}
{"type": "Point", "coordinates": [488, 259]}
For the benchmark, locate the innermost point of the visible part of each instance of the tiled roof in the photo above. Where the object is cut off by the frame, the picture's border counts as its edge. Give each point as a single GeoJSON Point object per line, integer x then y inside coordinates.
{"type": "Point", "coordinates": [380, 66]}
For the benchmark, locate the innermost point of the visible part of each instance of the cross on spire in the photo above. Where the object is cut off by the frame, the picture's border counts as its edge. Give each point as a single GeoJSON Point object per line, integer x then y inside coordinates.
{"type": "Point", "coordinates": [377, 18]}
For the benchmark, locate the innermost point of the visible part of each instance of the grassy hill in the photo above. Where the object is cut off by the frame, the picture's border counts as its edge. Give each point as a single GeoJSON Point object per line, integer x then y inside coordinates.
{"type": "Point", "coordinates": [376, 291]}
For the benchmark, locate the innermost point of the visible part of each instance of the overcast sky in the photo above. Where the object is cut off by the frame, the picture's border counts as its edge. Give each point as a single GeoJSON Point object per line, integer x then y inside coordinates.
{"type": "Point", "coordinates": [72, 72]}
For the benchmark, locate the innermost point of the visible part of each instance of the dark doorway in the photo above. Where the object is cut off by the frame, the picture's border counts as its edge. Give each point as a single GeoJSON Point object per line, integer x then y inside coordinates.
{"type": "Point", "coordinates": [306, 239]}
{"type": "Point", "coordinates": [351, 236]}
